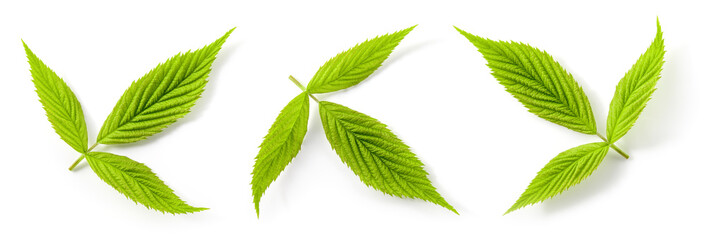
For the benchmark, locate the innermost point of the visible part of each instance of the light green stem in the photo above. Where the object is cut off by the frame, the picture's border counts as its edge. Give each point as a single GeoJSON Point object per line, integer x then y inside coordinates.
{"type": "Point", "coordinates": [81, 157]}
{"type": "Point", "coordinates": [616, 148]}
{"type": "Point", "coordinates": [294, 80]}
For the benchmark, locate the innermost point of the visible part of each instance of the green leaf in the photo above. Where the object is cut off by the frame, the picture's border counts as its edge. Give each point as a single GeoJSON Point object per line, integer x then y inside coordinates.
{"type": "Point", "coordinates": [635, 89]}
{"type": "Point", "coordinates": [565, 170]}
{"type": "Point", "coordinates": [63, 109]}
{"type": "Point", "coordinates": [281, 145]}
{"type": "Point", "coordinates": [162, 96]}
{"type": "Point", "coordinates": [137, 182]}
{"type": "Point", "coordinates": [538, 82]}
{"type": "Point", "coordinates": [356, 64]}
{"type": "Point", "coordinates": [376, 155]}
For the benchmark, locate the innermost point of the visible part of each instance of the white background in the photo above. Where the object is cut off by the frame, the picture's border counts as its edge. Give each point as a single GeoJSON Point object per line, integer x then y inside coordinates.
{"type": "Point", "coordinates": [480, 145]}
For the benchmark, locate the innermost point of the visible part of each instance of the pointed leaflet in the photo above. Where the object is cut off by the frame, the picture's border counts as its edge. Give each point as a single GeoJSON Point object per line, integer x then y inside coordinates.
{"type": "Point", "coordinates": [538, 82]}
{"type": "Point", "coordinates": [565, 170]}
{"type": "Point", "coordinates": [63, 109]}
{"type": "Point", "coordinates": [162, 96]}
{"type": "Point", "coordinates": [376, 155]}
{"type": "Point", "coordinates": [137, 182]}
{"type": "Point", "coordinates": [635, 89]}
{"type": "Point", "coordinates": [281, 145]}
{"type": "Point", "coordinates": [356, 64]}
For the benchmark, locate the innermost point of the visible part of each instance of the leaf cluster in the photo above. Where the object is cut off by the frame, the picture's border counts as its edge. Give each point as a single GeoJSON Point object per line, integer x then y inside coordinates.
{"type": "Point", "coordinates": [539, 82]}
{"type": "Point", "coordinates": [149, 105]}
{"type": "Point", "coordinates": [375, 154]}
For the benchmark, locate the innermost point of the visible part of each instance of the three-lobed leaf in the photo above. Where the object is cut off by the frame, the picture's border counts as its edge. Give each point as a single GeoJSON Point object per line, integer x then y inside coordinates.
{"type": "Point", "coordinates": [376, 155]}
{"type": "Point", "coordinates": [280, 146]}
{"type": "Point", "coordinates": [355, 64]}
{"type": "Point", "coordinates": [137, 182]}
{"type": "Point", "coordinates": [635, 88]}
{"type": "Point", "coordinates": [373, 152]}
{"type": "Point", "coordinates": [61, 105]}
{"type": "Point", "coordinates": [162, 96]}
{"type": "Point", "coordinates": [565, 170]}
{"type": "Point", "coordinates": [153, 102]}
{"type": "Point", "coordinates": [535, 79]}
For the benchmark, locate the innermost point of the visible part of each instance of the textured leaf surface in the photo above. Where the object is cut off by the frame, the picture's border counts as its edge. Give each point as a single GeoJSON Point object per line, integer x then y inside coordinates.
{"type": "Point", "coordinates": [137, 182]}
{"type": "Point", "coordinates": [162, 96]}
{"type": "Point", "coordinates": [538, 82]}
{"type": "Point", "coordinates": [634, 90]}
{"type": "Point", "coordinates": [376, 155]}
{"type": "Point", "coordinates": [281, 145]}
{"type": "Point", "coordinates": [565, 170]}
{"type": "Point", "coordinates": [62, 107]}
{"type": "Point", "coordinates": [356, 64]}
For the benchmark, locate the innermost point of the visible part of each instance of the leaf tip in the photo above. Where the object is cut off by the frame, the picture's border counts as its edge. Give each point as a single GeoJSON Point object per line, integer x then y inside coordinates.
{"type": "Point", "coordinates": [659, 39]}
{"type": "Point", "coordinates": [225, 36]}
{"type": "Point", "coordinates": [406, 31]}
{"type": "Point", "coordinates": [453, 210]}
{"type": "Point", "coordinates": [472, 38]}
{"type": "Point", "coordinates": [257, 209]}
{"type": "Point", "coordinates": [199, 209]}
{"type": "Point", "coordinates": [461, 31]}
{"type": "Point", "coordinates": [256, 201]}
{"type": "Point", "coordinates": [659, 28]}
{"type": "Point", "coordinates": [512, 209]}
{"type": "Point", "coordinates": [229, 32]}
{"type": "Point", "coordinates": [448, 206]}
{"type": "Point", "coordinates": [27, 50]}
{"type": "Point", "coordinates": [186, 211]}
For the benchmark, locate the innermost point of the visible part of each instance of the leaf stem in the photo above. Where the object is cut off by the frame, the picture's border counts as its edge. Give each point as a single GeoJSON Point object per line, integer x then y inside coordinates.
{"type": "Point", "coordinates": [294, 80]}
{"type": "Point", "coordinates": [83, 155]}
{"type": "Point", "coordinates": [616, 148]}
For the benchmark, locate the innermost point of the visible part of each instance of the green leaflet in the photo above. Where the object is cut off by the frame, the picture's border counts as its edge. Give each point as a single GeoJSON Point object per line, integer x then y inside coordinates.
{"type": "Point", "coordinates": [376, 155]}
{"type": "Point", "coordinates": [565, 170]}
{"type": "Point", "coordinates": [63, 109]}
{"type": "Point", "coordinates": [356, 64]}
{"type": "Point", "coordinates": [159, 98]}
{"type": "Point", "coordinates": [397, 171]}
{"type": "Point", "coordinates": [162, 96]}
{"type": "Point", "coordinates": [137, 182]}
{"type": "Point", "coordinates": [281, 145]}
{"type": "Point", "coordinates": [538, 82]}
{"type": "Point", "coordinates": [635, 89]}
